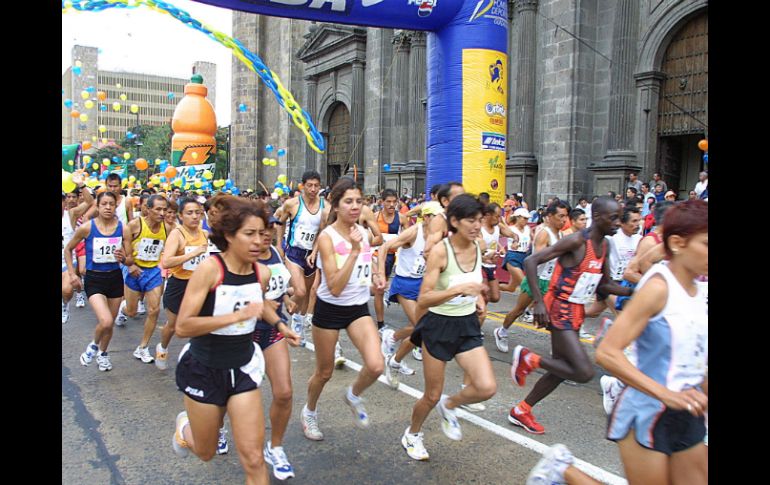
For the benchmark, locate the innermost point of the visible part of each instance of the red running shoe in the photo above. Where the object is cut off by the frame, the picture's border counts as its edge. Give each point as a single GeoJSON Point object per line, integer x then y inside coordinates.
{"type": "Point", "coordinates": [520, 366]}
{"type": "Point", "coordinates": [526, 421]}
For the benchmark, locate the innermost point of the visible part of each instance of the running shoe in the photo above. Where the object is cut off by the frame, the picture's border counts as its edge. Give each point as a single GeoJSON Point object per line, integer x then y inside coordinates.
{"type": "Point", "coordinates": [386, 297]}
{"type": "Point", "coordinates": [449, 423]}
{"type": "Point", "coordinates": [80, 299]}
{"type": "Point", "coordinates": [528, 317]}
{"type": "Point", "coordinates": [520, 366]}
{"type": "Point", "coordinates": [65, 312]}
{"type": "Point", "coordinates": [276, 458]}
{"type": "Point", "coordinates": [121, 319]}
{"type": "Point", "coordinates": [501, 339]}
{"type": "Point", "coordinates": [222, 446]}
{"type": "Point", "coordinates": [181, 448]}
{"type": "Point", "coordinates": [161, 357]}
{"type": "Point", "coordinates": [402, 367]}
{"type": "Point", "coordinates": [417, 354]}
{"type": "Point", "coordinates": [550, 469]}
{"type": "Point", "coordinates": [339, 359]}
{"type": "Point", "coordinates": [584, 335]}
{"type": "Point", "coordinates": [412, 443]}
{"type": "Point", "coordinates": [140, 310]}
{"type": "Point", "coordinates": [388, 344]}
{"type": "Point", "coordinates": [143, 354]}
{"type": "Point", "coordinates": [357, 407]}
{"type": "Point", "coordinates": [103, 360]}
{"type": "Point", "coordinates": [526, 421]}
{"type": "Point", "coordinates": [297, 326]}
{"type": "Point", "coordinates": [473, 407]}
{"type": "Point", "coordinates": [611, 389]}
{"type": "Point", "coordinates": [310, 426]}
{"type": "Point", "coordinates": [391, 371]}
{"type": "Point", "coordinates": [88, 356]}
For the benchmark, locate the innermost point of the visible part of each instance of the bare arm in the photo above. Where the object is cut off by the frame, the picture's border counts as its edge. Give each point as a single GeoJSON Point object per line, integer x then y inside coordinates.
{"type": "Point", "coordinates": [285, 212]}
{"type": "Point", "coordinates": [647, 253]}
{"type": "Point", "coordinates": [370, 220]}
{"type": "Point", "coordinates": [80, 233]}
{"type": "Point", "coordinates": [505, 230]}
{"type": "Point", "coordinates": [436, 229]}
{"type": "Point", "coordinates": [173, 243]}
{"type": "Point", "coordinates": [405, 238]}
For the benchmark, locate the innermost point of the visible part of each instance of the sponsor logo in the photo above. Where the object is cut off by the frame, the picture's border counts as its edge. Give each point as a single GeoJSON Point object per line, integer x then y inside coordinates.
{"type": "Point", "coordinates": [193, 392]}
{"type": "Point", "coordinates": [424, 7]}
{"type": "Point", "coordinates": [369, 3]}
{"type": "Point", "coordinates": [494, 184]}
{"type": "Point", "coordinates": [494, 163]}
{"type": "Point", "coordinates": [492, 141]}
{"type": "Point", "coordinates": [330, 6]}
{"type": "Point", "coordinates": [496, 113]}
{"type": "Point", "coordinates": [496, 10]}
{"type": "Point", "coordinates": [594, 265]}
{"type": "Point", "coordinates": [479, 11]}
{"type": "Point", "coordinates": [496, 80]}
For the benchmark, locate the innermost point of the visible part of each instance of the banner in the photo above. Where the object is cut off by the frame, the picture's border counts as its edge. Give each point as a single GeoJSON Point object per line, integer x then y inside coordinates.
{"type": "Point", "coordinates": [70, 152]}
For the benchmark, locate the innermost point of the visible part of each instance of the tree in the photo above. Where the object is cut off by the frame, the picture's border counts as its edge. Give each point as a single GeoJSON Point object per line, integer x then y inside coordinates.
{"type": "Point", "coordinates": [220, 170]}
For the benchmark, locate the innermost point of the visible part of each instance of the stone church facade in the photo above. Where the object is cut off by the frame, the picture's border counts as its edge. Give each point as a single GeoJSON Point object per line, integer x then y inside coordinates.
{"type": "Point", "coordinates": [596, 89]}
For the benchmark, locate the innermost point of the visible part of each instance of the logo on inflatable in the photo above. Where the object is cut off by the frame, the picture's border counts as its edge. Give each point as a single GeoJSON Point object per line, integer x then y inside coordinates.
{"type": "Point", "coordinates": [492, 141]}
{"type": "Point", "coordinates": [336, 6]}
{"type": "Point", "coordinates": [496, 76]}
{"type": "Point", "coordinates": [496, 113]}
{"type": "Point", "coordinates": [493, 9]}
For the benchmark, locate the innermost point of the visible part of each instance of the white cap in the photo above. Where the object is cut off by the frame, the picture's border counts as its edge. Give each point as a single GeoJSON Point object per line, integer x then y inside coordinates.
{"type": "Point", "coordinates": [521, 211]}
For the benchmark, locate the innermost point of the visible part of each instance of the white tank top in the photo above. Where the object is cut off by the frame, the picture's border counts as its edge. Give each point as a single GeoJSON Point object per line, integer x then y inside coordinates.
{"type": "Point", "coordinates": [410, 262]}
{"type": "Point", "coordinates": [121, 213]}
{"type": "Point", "coordinates": [545, 270]}
{"type": "Point", "coordinates": [491, 241]}
{"type": "Point", "coordinates": [525, 239]}
{"type": "Point", "coordinates": [622, 249]}
{"type": "Point", "coordinates": [66, 229]}
{"type": "Point", "coordinates": [304, 226]}
{"type": "Point", "coordinates": [356, 291]}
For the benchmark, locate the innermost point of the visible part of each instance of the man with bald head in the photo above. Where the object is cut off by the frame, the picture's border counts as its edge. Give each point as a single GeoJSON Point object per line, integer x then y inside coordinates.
{"type": "Point", "coordinates": [580, 273]}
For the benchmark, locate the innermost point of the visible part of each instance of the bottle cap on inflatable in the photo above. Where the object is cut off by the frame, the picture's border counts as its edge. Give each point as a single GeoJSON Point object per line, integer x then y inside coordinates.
{"type": "Point", "coordinates": [194, 124]}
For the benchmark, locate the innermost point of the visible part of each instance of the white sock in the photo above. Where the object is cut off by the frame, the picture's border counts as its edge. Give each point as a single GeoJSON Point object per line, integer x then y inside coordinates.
{"type": "Point", "coordinates": [352, 397]}
{"type": "Point", "coordinates": [308, 412]}
{"type": "Point", "coordinates": [163, 350]}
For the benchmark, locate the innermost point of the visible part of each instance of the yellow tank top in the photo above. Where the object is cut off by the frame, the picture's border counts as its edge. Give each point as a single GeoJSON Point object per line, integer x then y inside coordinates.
{"type": "Point", "coordinates": [453, 275]}
{"type": "Point", "coordinates": [148, 245]}
{"type": "Point", "coordinates": [185, 270]}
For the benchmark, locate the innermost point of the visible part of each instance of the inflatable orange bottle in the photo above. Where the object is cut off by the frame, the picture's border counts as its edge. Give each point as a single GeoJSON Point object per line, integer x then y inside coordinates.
{"type": "Point", "coordinates": [194, 124]}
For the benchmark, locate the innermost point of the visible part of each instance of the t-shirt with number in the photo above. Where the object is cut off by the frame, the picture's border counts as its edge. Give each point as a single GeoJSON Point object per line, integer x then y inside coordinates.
{"type": "Point", "coordinates": [303, 228]}
{"type": "Point", "coordinates": [279, 278]}
{"type": "Point", "coordinates": [191, 244]}
{"type": "Point", "coordinates": [578, 284]}
{"type": "Point", "coordinates": [356, 291]}
{"type": "Point", "coordinates": [622, 250]}
{"type": "Point", "coordinates": [229, 347]}
{"type": "Point", "coordinates": [491, 241]}
{"type": "Point", "coordinates": [525, 239]}
{"type": "Point", "coordinates": [100, 248]}
{"type": "Point", "coordinates": [148, 245]}
{"type": "Point", "coordinates": [410, 262]}
{"type": "Point", "coordinates": [545, 270]}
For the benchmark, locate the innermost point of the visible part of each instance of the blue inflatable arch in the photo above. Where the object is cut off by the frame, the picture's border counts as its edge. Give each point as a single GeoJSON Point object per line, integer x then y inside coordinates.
{"type": "Point", "coordinates": [467, 75]}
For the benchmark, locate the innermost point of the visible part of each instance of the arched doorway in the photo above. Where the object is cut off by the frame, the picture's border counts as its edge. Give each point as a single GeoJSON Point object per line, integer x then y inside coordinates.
{"type": "Point", "coordinates": [683, 106]}
{"type": "Point", "coordinates": [338, 151]}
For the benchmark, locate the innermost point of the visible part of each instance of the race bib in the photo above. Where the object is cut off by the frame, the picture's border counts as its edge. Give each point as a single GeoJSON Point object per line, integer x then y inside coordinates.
{"type": "Point", "coordinates": [388, 237]}
{"type": "Point", "coordinates": [193, 263]}
{"type": "Point", "coordinates": [104, 249]}
{"type": "Point", "coordinates": [362, 271]}
{"type": "Point", "coordinates": [149, 249]}
{"type": "Point", "coordinates": [418, 268]}
{"type": "Point", "coordinates": [460, 279]}
{"type": "Point", "coordinates": [279, 281]}
{"type": "Point", "coordinates": [213, 248]}
{"type": "Point", "coordinates": [230, 299]}
{"type": "Point", "coordinates": [585, 288]}
{"type": "Point", "coordinates": [523, 245]}
{"type": "Point", "coordinates": [305, 237]}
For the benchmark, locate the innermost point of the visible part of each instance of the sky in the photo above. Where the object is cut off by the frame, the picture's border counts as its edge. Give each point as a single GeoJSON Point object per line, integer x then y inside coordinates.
{"type": "Point", "coordinates": [145, 41]}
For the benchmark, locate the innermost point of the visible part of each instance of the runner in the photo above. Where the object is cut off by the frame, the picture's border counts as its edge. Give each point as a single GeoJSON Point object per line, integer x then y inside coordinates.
{"type": "Point", "coordinates": [105, 247]}
{"type": "Point", "coordinates": [450, 329]}
{"type": "Point", "coordinates": [439, 227]}
{"type": "Point", "coordinates": [221, 368]}
{"type": "Point", "coordinates": [389, 230]}
{"type": "Point", "coordinates": [147, 236]}
{"type": "Point", "coordinates": [580, 272]}
{"type": "Point", "coordinates": [345, 263]}
{"type": "Point", "coordinates": [517, 249]}
{"type": "Point", "coordinates": [71, 213]}
{"type": "Point", "coordinates": [491, 230]}
{"type": "Point", "coordinates": [124, 212]}
{"type": "Point", "coordinates": [556, 214]}
{"type": "Point", "coordinates": [579, 221]}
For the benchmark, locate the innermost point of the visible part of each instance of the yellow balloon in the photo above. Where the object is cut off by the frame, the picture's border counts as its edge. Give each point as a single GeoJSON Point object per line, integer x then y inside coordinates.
{"type": "Point", "coordinates": [198, 184]}
{"type": "Point", "coordinates": [134, 108]}
{"type": "Point", "coordinates": [104, 141]}
{"type": "Point", "coordinates": [178, 182]}
{"type": "Point", "coordinates": [117, 85]}
{"type": "Point", "coordinates": [199, 191]}
{"type": "Point", "coordinates": [89, 104]}
{"type": "Point", "coordinates": [95, 166]}
{"type": "Point", "coordinates": [93, 138]}
{"type": "Point", "coordinates": [86, 159]}
{"type": "Point", "coordinates": [70, 163]}
{"type": "Point", "coordinates": [187, 186]}
{"type": "Point", "coordinates": [158, 161]}
{"type": "Point", "coordinates": [67, 185]}
{"type": "Point", "coordinates": [106, 162]}
{"type": "Point", "coordinates": [132, 179]}
{"type": "Point", "coordinates": [126, 156]}
{"type": "Point", "coordinates": [84, 94]}
{"type": "Point", "coordinates": [91, 183]}
{"type": "Point", "coordinates": [208, 175]}
{"type": "Point", "coordinates": [279, 191]}
{"type": "Point", "coordinates": [78, 64]}
{"type": "Point", "coordinates": [116, 106]}
{"type": "Point", "coordinates": [282, 178]}
{"type": "Point", "coordinates": [123, 97]}
{"type": "Point", "coordinates": [124, 183]}
{"type": "Point", "coordinates": [83, 117]}
{"type": "Point", "coordinates": [102, 128]}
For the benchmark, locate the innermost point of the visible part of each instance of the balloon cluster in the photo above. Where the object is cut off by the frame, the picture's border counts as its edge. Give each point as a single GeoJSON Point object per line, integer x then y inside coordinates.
{"type": "Point", "coordinates": [703, 145]}
{"type": "Point", "coordinates": [279, 187]}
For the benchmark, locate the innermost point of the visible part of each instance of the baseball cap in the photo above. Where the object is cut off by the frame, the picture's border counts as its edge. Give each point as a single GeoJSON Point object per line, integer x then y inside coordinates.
{"type": "Point", "coordinates": [431, 208]}
{"type": "Point", "coordinates": [521, 211]}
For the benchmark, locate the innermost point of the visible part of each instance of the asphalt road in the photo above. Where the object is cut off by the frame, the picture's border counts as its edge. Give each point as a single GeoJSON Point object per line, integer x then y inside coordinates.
{"type": "Point", "coordinates": [117, 425]}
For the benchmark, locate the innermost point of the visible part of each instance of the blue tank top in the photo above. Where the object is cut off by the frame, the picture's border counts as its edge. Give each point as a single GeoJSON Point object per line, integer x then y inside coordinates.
{"type": "Point", "coordinates": [100, 248]}
{"type": "Point", "coordinates": [274, 262]}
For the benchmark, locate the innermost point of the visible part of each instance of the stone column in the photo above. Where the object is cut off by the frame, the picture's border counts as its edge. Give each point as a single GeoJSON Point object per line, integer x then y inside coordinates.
{"type": "Point", "coordinates": [400, 111]}
{"type": "Point", "coordinates": [357, 114]}
{"type": "Point", "coordinates": [648, 85]}
{"type": "Point", "coordinates": [379, 54]}
{"type": "Point", "coordinates": [417, 72]}
{"type": "Point", "coordinates": [311, 88]}
{"type": "Point", "coordinates": [244, 89]}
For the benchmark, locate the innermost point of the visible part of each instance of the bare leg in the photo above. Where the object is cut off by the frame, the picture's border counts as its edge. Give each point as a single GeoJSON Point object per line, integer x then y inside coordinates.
{"type": "Point", "coordinates": [479, 378]}
{"type": "Point", "coordinates": [364, 336]}
{"type": "Point", "coordinates": [248, 424]}
{"type": "Point", "coordinates": [152, 304]}
{"type": "Point", "coordinates": [324, 340]}
{"type": "Point", "coordinates": [433, 369]}
{"type": "Point", "coordinates": [278, 368]}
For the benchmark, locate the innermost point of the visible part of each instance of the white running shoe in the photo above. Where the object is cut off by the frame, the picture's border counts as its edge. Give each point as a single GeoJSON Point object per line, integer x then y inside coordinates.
{"type": "Point", "coordinates": [417, 354]}
{"type": "Point", "coordinates": [611, 389]}
{"type": "Point", "coordinates": [550, 469]}
{"type": "Point", "coordinates": [65, 312]}
{"type": "Point", "coordinates": [276, 457]}
{"type": "Point", "coordinates": [143, 354]}
{"type": "Point", "coordinates": [402, 367]}
{"type": "Point", "coordinates": [449, 423]}
{"type": "Point", "coordinates": [222, 446]}
{"type": "Point", "coordinates": [140, 310]}
{"type": "Point", "coordinates": [310, 425]}
{"type": "Point", "coordinates": [386, 297]}
{"type": "Point", "coordinates": [88, 356]}
{"type": "Point", "coordinates": [80, 299]}
{"type": "Point", "coordinates": [103, 360]}
{"type": "Point", "coordinates": [528, 317]}
{"type": "Point", "coordinates": [339, 359]}
{"type": "Point", "coordinates": [357, 407]}
{"type": "Point", "coordinates": [473, 407]}
{"type": "Point", "coordinates": [391, 367]}
{"type": "Point", "coordinates": [585, 335]}
{"type": "Point", "coordinates": [297, 326]}
{"type": "Point", "coordinates": [181, 448]}
{"type": "Point", "coordinates": [501, 339]}
{"type": "Point", "coordinates": [412, 443]}
{"type": "Point", "coordinates": [308, 320]}
{"type": "Point", "coordinates": [121, 319]}
{"type": "Point", "coordinates": [388, 344]}
{"type": "Point", "coordinates": [161, 357]}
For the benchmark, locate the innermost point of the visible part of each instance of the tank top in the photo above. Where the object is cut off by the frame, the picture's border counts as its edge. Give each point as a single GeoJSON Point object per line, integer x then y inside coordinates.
{"type": "Point", "coordinates": [279, 277]}
{"type": "Point", "coordinates": [66, 229]}
{"type": "Point", "coordinates": [453, 275]}
{"type": "Point", "coordinates": [121, 213]}
{"type": "Point", "coordinates": [185, 270]}
{"type": "Point", "coordinates": [100, 248]}
{"type": "Point", "coordinates": [229, 347]}
{"type": "Point", "coordinates": [389, 231]}
{"type": "Point", "coordinates": [578, 284]}
{"type": "Point", "coordinates": [622, 249]}
{"type": "Point", "coordinates": [148, 245]}
{"type": "Point", "coordinates": [356, 291]}
{"type": "Point", "coordinates": [545, 270]}
{"type": "Point", "coordinates": [303, 228]}
{"type": "Point", "coordinates": [410, 262]}
{"type": "Point", "coordinates": [491, 241]}
{"type": "Point", "coordinates": [673, 347]}
{"type": "Point", "coordinates": [525, 239]}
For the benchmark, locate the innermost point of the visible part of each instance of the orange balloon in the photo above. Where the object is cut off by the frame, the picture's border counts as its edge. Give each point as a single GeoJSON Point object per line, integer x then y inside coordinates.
{"type": "Point", "coordinates": [170, 172]}
{"type": "Point", "coordinates": [703, 145]}
{"type": "Point", "coordinates": [130, 185]}
{"type": "Point", "coordinates": [101, 189]}
{"type": "Point", "coordinates": [101, 95]}
{"type": "Point", "coordinates": [75, 113]}
{"type": "Point", "coordinates": [86, 145]}
{"type": "Point", "coordinates": [150, 185]}
{"type": "Point", "coordinates": [141, 164]}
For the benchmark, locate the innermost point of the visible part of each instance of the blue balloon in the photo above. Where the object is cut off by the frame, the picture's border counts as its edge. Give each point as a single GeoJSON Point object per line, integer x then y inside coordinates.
{"type": "Point", "coordinates": [191, 172]}
{"type": "Point", "coordinates": [268, 148]}
{"type": "Point", "coordinates": [162, 178]}
{"type": "Point", "coordinates": [68, 103]}
{"type": "Point", "coordinates": [170, 95]}
{"type": "Point", "coordinates": [236, 191]}
{"type": "Point", "coordinates": [281, 152]}
{"type": "Point", "coordinates": [77, 70]}
{"type": "Point", "coordinates": [116, 159]}
{"type": "Point", "coordinates": [278, 185]}
{"type": "Point", "coordinates": [386, 167]}
{"type": "Point", "coordinates": [90, 89]}
{"type": "Point", "coordinates": [103, 107]}
{"type": "Point", "coordinates": [242, 108]}
{"type": "Point", "coordinates": [706, 157]}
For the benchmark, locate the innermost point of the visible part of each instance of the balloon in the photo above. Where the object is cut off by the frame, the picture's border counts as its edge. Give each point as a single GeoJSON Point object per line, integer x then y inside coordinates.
{"type": "Point", "coordinates": [706, 157]}
{"type": "Point", "coordinates": [150, 184]}
{"type": "Point", "coordinates": [101, 95]}
{"type": "Point", "coordinates": [265, 161]}
{"type": "Point", "coordinates": [268, 148]}
{"type": "Point", "coordinates": [78, 64]}
{"type": "Point", "coordinates": [86, 145]}
{"type": "Point", "coordinates": [84, 94]}
{"type": "Point", "coordinates": [123, 97]}
{"type": "Point", "coordinates": [281, 152]}
{"type": "Point", "coordinates": [67, 185]}
{"type": "Point", "coordinates": [130, 185]}
{"type": "Point", "coordinates": [703, 145]}
{"type": "Point", "coordinates": [86, 159]}
{"type": "Point", "coordinates": [170, 172]}
{"type": "Point", "coordinates": [126, 155]}
{"type": "Point", "coordinates": [116, 106]}
{"type": "Point", "coordinates": [89, 104]}
{"type": "Point", "coordinates": [75, 113]}
{"type": "Point", "coordinates": [282, 178]}
{"type": "Point", "coordinates": [170, 95]}
{"type": "Point", "coordinates": [106, 162]}
{"type": "Point", "coordinates": [103, 107]}
{"type": "Point", "coordinates": [279, 191]}
{"type": "Point", "coordinates": [102, 128]}
{"type": "Point", "coordinates": [191, 172]}
{"type": "Point", "coordinates": [157, 161]}
{"type": "Point", "coordinates": [83, 117]}
{"type": "Point", "coordinates": [77, 70]}
{"type": "Point", "coordinates": [386, 167]}
{"type": "Point", "coordinates": [274, 162]}
{"type": "Point", "coordinates": [132, 179]}
{"type": "Point", "coordinates": [187, 186]}
{"type": "Point", "coordinates": [116, 159]}
{"type": "Point", "coordinates": [242, 108]}
{"type": "Point", "coordinates": [163, 178]}
{"type": "Point", "coordinates": [95, 166]}
{"type": "Point", "coordinates": [208, 175]}
{"type": "Point", "coordinates": [91, 89]}
{"type": "Point", "coordinates": [134, 108]}
{"type": "Point", "coordinates": [91, 183]}
{"type": "Point", "coordinates": [141, 164]}
{"type": "Point", "coordinates": [70, 163]}
{"type": "Point", "coordinates": [197, 184]}
{"type": "Point", "coordinates": [68, 103]}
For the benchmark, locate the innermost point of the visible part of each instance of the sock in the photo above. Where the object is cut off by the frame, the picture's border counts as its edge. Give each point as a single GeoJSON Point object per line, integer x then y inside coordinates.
{"type": "Point", "coordinates": [308, 412]}
{"type": "Point", "coordinates": [162, 349]}
{"type": "Point", "coordinates": [380, 325]}
{"type": "Point", "coordinates": [352, 397]}
{"type": "Point", "coordinates": [100, 353]}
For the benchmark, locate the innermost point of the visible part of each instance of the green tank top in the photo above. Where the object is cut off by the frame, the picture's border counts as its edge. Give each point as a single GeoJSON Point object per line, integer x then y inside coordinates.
{"type": "Point", "coordinates": [453, 275]}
